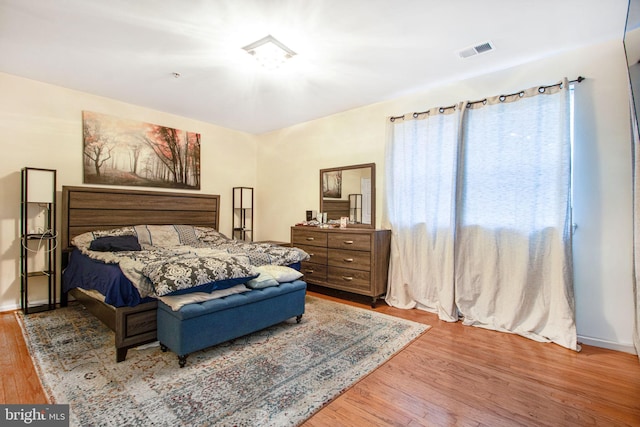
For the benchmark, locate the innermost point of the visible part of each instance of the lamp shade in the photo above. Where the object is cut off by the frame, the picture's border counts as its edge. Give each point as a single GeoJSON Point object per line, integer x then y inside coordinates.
{"type": "Point", "coordinates": [40, 185]}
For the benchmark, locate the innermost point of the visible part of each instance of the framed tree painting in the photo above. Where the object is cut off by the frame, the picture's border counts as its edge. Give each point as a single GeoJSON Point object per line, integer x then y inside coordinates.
{"type": "Point", "coordinates": [118, 151]}
{"type": "Point", "coordinates": [332, 184]}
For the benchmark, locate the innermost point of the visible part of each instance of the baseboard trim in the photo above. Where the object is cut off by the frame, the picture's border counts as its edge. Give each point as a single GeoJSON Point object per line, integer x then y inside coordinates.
{"type": "Point", "coordinates": [9, 307]}
{"type": "Point", "coordinates": [13, 307]}
{"type": "Point", "coordinates": [596, 342]}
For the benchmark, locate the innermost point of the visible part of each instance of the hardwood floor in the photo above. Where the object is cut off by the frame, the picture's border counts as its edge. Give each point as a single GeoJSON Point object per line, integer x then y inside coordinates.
{"type": "Point", "coordinates": [19, 381]}
{"type": "Point", "coordinates": [453, 375]}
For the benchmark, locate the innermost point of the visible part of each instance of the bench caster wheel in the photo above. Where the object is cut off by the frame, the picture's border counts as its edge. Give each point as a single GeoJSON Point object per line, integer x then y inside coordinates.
{"type": "Point", "coordinates": [182, 360]}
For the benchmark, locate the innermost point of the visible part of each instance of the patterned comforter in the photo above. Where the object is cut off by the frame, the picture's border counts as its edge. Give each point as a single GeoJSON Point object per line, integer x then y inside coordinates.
{"type": "Point", "coordinates": [176, 257]}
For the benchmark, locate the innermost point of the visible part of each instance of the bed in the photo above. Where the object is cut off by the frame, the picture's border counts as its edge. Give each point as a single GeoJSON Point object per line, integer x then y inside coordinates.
{"type": "Point", "coordinates": [89, 211]}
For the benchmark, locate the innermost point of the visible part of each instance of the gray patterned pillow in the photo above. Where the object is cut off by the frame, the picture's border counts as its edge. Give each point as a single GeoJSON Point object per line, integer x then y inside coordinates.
{"type": "Point", "coordinates": [122, 231]}
{"type": "Point", "coordinates": [207, 234]}
{"type": "Point", "coordinates": [187, 234]}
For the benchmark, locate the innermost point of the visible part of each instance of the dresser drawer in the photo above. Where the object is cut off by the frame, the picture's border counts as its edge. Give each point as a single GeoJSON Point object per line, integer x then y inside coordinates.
{"type": "Point", "coordinates": [313, 272]}
{"type": "Point", "coordinates": [317, 254]}
{"type": "Point", "coordinates": [355, 241]}
{"type": "Point", "coordinates": [358, 260]}
{"type": "Point", "coordinates": [308, 237]}
{"type": "Point", "coordinates": [347, 278]}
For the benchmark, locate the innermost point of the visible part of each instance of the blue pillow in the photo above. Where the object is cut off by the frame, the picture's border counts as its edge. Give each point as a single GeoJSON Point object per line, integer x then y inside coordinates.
{"type": "Point", "coordinates": [218, 285]}
{"type": "Point", "coordinates": [264, 280]}
{"type": "Point", "coordinates": [115, 244]}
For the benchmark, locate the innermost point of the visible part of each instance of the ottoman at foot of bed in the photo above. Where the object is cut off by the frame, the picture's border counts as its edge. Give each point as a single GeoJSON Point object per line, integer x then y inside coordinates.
{"type": "Point", "coordinates": [182, 359]}
{"type": "Point", "coordinates": [201, 325]}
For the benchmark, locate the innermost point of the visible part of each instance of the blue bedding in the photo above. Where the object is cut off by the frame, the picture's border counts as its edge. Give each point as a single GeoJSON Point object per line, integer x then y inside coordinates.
{"type": "Point", "coordinates": [87, 273]}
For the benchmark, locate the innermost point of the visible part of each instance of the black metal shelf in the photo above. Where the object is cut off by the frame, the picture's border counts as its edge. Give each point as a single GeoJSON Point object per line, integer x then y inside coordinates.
{"type": "Point", "coordinates": [41, 273]}
{"type": "Point", "coordinates": [243, 213]}
{"type": "Point", "coordinates": [38, 201]}
{"type": "Point", "coordinates": [39, 236]}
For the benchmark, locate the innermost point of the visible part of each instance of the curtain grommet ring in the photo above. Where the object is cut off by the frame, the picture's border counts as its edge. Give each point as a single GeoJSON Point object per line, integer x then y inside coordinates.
{"type": "Point", "coordinates": [502, 98]}
{"type": "Point", "coordinates": [521, 94]}
{"type": "Point", "coordinates": [541, 89]}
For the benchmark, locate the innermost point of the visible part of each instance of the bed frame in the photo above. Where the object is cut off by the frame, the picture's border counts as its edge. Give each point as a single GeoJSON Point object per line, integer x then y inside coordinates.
{"type": "Point", "coordinates": [90, 208]}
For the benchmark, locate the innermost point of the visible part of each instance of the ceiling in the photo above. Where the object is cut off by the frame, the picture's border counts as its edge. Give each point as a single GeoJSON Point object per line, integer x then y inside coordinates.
{"type": "Point", "coordinates": [350, 53]}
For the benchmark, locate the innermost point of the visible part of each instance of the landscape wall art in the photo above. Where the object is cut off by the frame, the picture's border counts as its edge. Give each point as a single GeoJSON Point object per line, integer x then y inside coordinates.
{"type": "Point", "coordinates": [127, 152]}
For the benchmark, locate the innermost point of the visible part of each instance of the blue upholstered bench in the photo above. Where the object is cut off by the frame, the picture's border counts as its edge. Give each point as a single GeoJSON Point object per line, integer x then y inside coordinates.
{"type": "Point", "coordinates": [201, 325]}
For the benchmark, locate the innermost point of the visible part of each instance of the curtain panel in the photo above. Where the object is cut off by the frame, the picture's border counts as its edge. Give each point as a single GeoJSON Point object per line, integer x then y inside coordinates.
{"type": "Point", "coordinates": [420, 201]}
{"type": "Point", "coordinates": [481, 216]}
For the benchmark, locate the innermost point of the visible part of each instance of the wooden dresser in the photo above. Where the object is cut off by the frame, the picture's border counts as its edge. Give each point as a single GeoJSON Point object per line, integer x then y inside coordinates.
{"type": "Point", "coordinates": [350, 259]}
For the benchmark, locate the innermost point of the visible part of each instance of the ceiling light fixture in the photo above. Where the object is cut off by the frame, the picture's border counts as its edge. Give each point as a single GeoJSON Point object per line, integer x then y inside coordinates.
{"type": "Point", "coordinates": [269, 52]}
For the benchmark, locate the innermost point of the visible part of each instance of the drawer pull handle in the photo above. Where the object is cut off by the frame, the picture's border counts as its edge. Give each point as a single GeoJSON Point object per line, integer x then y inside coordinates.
{"type": "Point", "coordinates": [348, 260]}
{"type": "Point", "coordinates": [347, 278]}
{"type": "Point", "coordinates": [348, 242]}
{"type": "Point", "coordinates": [309, 271]}
{"type": "Point", "coordinates": [310, 239]}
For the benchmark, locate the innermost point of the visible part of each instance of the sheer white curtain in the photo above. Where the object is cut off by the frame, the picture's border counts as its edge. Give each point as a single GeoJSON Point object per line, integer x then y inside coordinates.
{"type": "Point", "coordinates": [482, 228]}
{"type": "Point", "coordinates": [513, 247]}
{"type": "Point", "coordinates": [420, 176]}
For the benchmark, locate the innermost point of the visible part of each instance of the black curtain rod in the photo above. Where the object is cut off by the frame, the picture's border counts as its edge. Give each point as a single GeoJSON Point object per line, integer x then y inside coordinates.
{"type": "Point", "coordinates": [502, 98]}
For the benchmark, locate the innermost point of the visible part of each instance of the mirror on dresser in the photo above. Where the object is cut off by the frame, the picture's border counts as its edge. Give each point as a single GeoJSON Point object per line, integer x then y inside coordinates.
{"type": "Point", "coordinates": [349, 191]}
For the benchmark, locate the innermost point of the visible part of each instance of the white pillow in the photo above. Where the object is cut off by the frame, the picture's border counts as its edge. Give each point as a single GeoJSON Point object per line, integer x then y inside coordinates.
{"type": "Point", "coordinates": [176, 302]}
{"type": "Point", "coordinates": [281, 273]}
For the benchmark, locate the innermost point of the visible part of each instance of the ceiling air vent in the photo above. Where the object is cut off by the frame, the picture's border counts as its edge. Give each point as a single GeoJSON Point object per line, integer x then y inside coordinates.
{"type": "Point", "coordinates": [476, 50]}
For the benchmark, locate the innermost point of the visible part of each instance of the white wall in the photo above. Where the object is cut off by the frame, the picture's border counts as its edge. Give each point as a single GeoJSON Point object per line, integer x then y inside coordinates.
{"type": "Point", "coordinates": [289, 161]}
{"type": "Point", "coordinates": [41, 126]}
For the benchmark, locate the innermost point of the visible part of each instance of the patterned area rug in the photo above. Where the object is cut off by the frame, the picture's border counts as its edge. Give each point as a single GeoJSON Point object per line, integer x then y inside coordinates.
{"type": "Point", "coordinates": [276, 377]}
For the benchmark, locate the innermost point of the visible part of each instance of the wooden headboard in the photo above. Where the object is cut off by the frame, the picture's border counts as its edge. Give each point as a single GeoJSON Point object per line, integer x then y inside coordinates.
{"type": "Point", "coordinates": [336, 209]}
{"type": "Point", "coordinates": [90, 208]}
